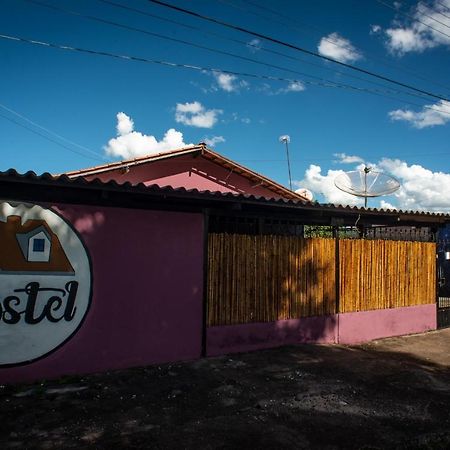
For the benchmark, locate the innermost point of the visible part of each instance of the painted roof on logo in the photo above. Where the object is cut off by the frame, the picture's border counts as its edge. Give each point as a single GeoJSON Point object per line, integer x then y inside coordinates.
{"type": "Point", "coordinates": [13, 253]}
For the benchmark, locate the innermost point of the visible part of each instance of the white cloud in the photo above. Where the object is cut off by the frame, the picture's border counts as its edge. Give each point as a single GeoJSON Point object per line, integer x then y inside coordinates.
{"type": "Point", "coordinates": [386, 205]}
{"type": "Point", "coordinates": [254, 45]}
{"type": "Point", "coordinates": [374, 29]}
{"type": "Point", "coordinates": [212, 141]}
{"type": "Point", "coordinates": [294, 86]}
{"type": "Point", "coordinates": [324, 184]}
{"type": "Point", "coordinates": [348, 159]}
{"type": "Point", "coordinates": [427, 29]}
{"type": "Point", "coordinates": [236, 117]}
{"type": "Point", "coordinates": [403, 40]}
{"type": "Point", "coordinates": [125, 124]}
{"type": "Point", "coordinates": [130, 143]}
{"type": "Point", "coordinates": [420, 189]}
{"type": "Point", "coordinates": [194, 114]}
{"type": "Point", "coordinates": [336, 47]}
{"type": "Point", "coordinates": [430, 116]}
{"type": "Point", "coordinates": [226, 81]}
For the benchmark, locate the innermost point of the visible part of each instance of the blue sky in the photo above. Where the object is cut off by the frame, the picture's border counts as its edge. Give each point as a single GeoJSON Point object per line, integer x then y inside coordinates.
{"type": "Point", "coordinates": [78, 96]}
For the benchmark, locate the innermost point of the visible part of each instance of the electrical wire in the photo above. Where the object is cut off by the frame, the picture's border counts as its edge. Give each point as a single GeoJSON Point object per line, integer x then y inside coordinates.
{"type": "Point", "coordinates": [334, 42]}
{"type": "Point", "coordinates": [442, 14]}
{"type": "Point", "coordinates": [26, 119]}
{"type": "Point", "coordinates": [209, 69]}
{"type": "Point", "coordinates": [431, 17]}
{"type": "Point", "coordinates": [49, 138]}
{"type": "Point", "coordinates": [387, 5]}
{"type": "Point", "coordinates": [184, 42]}
{"type": "Point", "coordinates": [295, 47]}
{"type": "Point", "coordinates": [192, 44]}
{"type": "Point", "coordinates": [262, 49]}
{"type": "Point", "coordinates": [442, 4]}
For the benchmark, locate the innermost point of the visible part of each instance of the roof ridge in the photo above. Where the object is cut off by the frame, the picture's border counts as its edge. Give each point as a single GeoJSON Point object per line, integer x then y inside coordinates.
{"type": "Point", "coordinates": [209, 153]}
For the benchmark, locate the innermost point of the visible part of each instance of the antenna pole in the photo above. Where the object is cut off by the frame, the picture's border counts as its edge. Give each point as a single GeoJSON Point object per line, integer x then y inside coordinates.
{"type": "Point", "coordinates": [366, 171]}
{"type": "Point", "coordinates": [289, 166]}
{"type": "Point", "coordinates": [286, 140]}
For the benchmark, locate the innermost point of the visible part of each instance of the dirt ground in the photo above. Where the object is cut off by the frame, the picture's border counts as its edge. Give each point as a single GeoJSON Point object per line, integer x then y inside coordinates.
{"type": "Point", "coordinates": [392, 393]}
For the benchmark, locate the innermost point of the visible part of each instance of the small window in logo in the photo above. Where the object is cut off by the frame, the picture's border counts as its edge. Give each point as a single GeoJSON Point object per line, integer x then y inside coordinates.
{"type": "Point", "coordinates": [38, 245]}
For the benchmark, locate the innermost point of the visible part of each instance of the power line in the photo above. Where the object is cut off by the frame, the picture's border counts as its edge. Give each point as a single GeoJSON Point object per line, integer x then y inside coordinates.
{"type": "Point", "coordinates": [335, 159]}
{"type": "Point", "coordinates": [283, 16]}
{"type": "Point", "coordinates": [328, 38]}
{"type": "Point", "coordinates": [294, 47]}
{"type": "Point", "coordinates": [208, 69]}
{"type": "Point", "coordinates": [387, 5]}
{"type": "Point", "coordinates": [26, 119]}
{"type": "Point", "coordinates": [266, 50]}
{"type": "Point", "coordinates": [184, 42]}
{"type": "Point", "coordinates": [443, 4]}
{"type": "Point", "coordinates": [431, 17]}
{"type": "Point", "coordinates": [263, 49]}
{"type": "Point", "coordinates": [49, 138]}
{"type": "Point", "coordinates": [442, 14]}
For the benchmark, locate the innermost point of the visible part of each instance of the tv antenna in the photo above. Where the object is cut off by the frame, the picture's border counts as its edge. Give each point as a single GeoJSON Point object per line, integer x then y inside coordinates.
{"type": "Point", "coordinates": [366, 183]}
{"type": "Point", "coordinates": [286, 139]}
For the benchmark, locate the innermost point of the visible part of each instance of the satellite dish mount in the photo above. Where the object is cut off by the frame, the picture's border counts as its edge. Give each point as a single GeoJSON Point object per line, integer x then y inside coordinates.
{"type": "Point", "coordinates": [366, 183]}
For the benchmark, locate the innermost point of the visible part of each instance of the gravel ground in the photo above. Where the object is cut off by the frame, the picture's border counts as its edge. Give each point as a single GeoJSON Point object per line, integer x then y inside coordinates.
{"type": "Point", "coordinates": [392, 393]}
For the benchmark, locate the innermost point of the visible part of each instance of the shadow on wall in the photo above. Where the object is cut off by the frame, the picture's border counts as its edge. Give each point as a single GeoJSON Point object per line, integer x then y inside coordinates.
{"type": "Point", "coordinates": [270, 289]}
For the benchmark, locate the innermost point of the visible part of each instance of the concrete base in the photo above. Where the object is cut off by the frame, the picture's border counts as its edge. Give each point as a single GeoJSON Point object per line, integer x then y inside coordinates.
{"type": "Point", "coordinates": [347, 328]}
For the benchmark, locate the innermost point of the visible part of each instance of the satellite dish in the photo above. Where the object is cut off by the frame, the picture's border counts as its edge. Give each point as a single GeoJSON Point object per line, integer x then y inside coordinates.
{"type": "Point", "coordinates": [305, 193]}
{"type": "Point", "coordinates": [366, 183]}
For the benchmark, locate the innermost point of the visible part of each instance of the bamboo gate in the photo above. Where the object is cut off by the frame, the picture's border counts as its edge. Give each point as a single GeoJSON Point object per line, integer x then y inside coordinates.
{"type": "Point", "coordinates": [264, 278]}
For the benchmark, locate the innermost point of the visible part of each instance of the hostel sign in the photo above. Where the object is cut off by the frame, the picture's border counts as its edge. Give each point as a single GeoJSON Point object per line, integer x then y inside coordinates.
{"type": "Point", "coordinates": [45, 282]}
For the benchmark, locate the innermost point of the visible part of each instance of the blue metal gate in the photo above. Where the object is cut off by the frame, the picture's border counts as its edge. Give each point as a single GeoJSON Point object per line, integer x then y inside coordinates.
{"type": "Point", "coordinates": [443, 278]}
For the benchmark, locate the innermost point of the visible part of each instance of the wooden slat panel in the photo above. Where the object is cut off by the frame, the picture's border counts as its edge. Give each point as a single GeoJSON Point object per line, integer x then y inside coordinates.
{"type": "Point", "coordinates": [386, 274]}
{"type": "Point", "coordinates": [267, 278]}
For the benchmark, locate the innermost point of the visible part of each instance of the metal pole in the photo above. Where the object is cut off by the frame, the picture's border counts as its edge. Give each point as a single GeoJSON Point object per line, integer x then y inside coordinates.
{"type": "Point", "coordinates": [286, 139]}
{"type": "Point", "coordinates": [366, 171]}
{"type": "Point", "coordinates": [289, 165]}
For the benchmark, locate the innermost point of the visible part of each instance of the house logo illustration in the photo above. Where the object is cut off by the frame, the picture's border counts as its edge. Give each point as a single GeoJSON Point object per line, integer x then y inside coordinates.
{"type": "Point", "coordinates": [45, 282]}
{"type": "Point", "coordinates": [31, 247]}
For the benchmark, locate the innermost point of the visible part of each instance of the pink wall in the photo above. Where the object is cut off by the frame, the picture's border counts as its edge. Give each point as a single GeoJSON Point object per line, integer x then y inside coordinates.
{"type": "Point", "coordinates": [348, 328]}
{"type": "Point", "coordinates": [146, 305]}
{"type": "Point", "coordinates": [364, 326]}
{"type": "Point", "coordinates": [147, 298]}
{"type": "Point", "coordinates": [189, 172]}
{"type": "Point", "coordinates": [254, 336]}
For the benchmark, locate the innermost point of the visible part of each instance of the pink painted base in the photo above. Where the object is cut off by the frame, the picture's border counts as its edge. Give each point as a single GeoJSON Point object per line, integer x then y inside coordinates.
{"type": "Point", "coordinates": [348, 328]}
{"type": "Point", "coordinates": [355, 328]}
{"type": "Point", "coordinates": [254, 336]}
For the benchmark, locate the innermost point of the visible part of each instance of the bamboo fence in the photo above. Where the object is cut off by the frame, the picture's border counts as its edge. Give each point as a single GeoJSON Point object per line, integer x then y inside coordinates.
{"type": "Point", "coordinates": [268, 278]}
{"type": "Point", "coordinates": [378, 274]}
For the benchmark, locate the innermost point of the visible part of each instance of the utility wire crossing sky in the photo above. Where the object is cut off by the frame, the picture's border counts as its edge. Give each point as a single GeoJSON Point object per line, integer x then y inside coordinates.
{"type": "Point", "coordinates": [229, 73]}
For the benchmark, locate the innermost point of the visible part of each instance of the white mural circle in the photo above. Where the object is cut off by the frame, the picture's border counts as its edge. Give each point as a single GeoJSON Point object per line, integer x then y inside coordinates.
{"type": "Point", "coordinates": [45, 282]}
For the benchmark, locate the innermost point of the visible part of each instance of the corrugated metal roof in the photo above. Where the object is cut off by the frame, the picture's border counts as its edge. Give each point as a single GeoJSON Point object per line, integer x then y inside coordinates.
{"type": "Point", "coordinates": [48, 179]}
